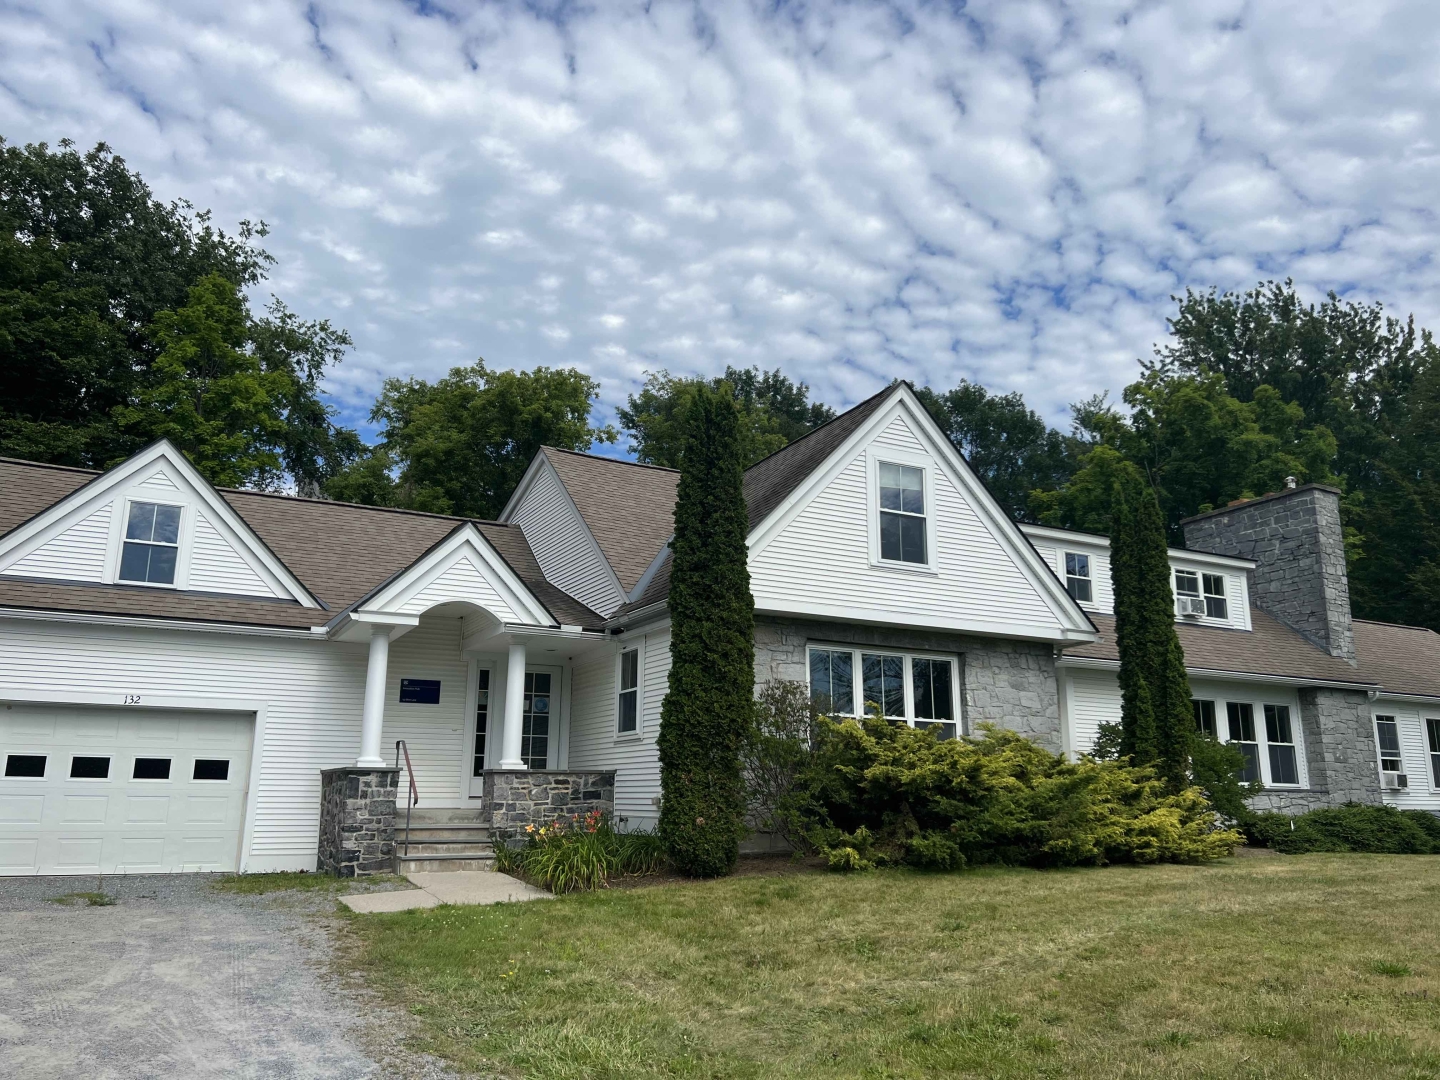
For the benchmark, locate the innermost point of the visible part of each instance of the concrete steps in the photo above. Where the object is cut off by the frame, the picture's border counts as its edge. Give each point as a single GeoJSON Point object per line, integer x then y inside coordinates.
{"type": "Point", "coordinates": [441, 839]}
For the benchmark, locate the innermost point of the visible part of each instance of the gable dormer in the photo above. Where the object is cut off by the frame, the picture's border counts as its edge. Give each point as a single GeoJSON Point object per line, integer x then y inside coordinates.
{"type": "Point", "coordinates": [1208, 590]}
{"type": "Point", "coordinates": [151, 522]}
{"type": "Point", "coordinates": [891, 526]}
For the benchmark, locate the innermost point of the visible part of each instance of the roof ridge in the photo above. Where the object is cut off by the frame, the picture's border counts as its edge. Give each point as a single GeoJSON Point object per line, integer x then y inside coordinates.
{"type": "Point", "coordinates": [49, 465]}
{"type": "Point", "coordinates": [614, 461]}
{"type": "Point", "coordinates": [1396, 625]}
{"type": "Point", "coordinates": [361, 506]}
{"type": "Point", "coordinates": [833, 419]}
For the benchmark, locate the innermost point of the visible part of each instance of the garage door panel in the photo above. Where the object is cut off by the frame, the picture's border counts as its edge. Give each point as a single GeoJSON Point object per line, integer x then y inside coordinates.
{"type": "Point", "coordinates": [103, 820]}
{"type": "Point", "coordinates": [76, 855]}
{"type": "Point", "coordinates": [21, 809]}
{"type": "Point", "coordinates": [84, 809]}
{"type": "Point", "coordinates": [18, 855]}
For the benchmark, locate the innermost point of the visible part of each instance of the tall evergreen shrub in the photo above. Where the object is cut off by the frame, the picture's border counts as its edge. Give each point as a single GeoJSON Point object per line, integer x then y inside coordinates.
{"type": "Point", "coordinates": [710, 704]}
{"type": "Point", "coordinates": [1157, 720]}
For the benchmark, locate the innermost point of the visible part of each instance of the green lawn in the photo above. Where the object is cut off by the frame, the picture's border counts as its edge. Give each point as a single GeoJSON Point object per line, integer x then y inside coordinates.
{"type": "Point", "coordinates": [1309, 966]}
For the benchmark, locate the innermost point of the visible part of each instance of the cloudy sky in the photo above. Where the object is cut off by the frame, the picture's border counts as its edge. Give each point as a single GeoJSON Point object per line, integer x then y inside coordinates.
{"type": "Point", "coordinates": [1007, 191]}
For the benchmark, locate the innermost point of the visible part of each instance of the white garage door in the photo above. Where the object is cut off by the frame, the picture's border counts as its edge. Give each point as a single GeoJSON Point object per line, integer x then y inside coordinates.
{"type": "Point", "coordinates": [121, 791]}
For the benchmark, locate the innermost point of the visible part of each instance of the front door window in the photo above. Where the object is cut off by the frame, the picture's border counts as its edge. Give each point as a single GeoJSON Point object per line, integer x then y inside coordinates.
{"type": "Point", "coordinates": [482, 720]}
{"type": "Point", "coordinates": [535, 722]}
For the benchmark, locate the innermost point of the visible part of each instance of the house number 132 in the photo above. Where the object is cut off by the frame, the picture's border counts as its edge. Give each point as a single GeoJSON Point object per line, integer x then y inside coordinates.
{"type": "Point", "coordinates": [132, 699]}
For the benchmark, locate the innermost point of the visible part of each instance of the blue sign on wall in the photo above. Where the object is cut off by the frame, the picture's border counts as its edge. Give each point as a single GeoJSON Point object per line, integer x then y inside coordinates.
{"type": "Point", "coordinates": [420, 691]}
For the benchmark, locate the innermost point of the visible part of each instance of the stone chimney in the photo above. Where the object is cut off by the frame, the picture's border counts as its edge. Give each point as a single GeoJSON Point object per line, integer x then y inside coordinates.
{"type": "Point", "coordinates": [1294, 536]}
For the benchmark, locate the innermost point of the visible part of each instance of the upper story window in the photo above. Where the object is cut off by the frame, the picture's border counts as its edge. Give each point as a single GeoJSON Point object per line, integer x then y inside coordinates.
{"type": "Point", "coordinates": [1077, 577]}
{"type": "Point", "coordinates": [1215, 606]}
{"type": "Point", "coordinates": [152, 544]}
{"type": "Point", "coordinates": [1191, 600]}
{"type": "Point", "coordinates": [902, 513]}
{"type": "Point", "coordinates": [629, 706]}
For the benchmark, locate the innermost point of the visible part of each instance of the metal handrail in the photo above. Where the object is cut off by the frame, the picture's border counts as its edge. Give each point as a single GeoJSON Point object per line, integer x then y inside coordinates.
{"type": "Point", "coordinates": [414, 793]}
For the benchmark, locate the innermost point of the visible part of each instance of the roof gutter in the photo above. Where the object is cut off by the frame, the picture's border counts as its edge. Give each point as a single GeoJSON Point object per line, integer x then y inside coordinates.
{"type": "Point", "coordinates": [160, 622]}
{"type": "Point", "coordinates": [1097, 664]}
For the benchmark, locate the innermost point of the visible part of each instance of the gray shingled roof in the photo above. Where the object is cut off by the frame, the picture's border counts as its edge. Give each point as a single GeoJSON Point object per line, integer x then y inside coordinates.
{"type": "Point", "coordinates": [1402, 659]}
{"type": "Point", "coordinates": [339, 551]}
{"type": "Point", "coordinates": [1269, 648]}
{"type": "Point", "coordinates": [629, 508]}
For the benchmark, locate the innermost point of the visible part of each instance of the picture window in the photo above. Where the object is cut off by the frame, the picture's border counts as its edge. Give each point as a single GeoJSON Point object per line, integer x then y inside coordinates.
{"type": "Point", "coordinates": [917, 690]}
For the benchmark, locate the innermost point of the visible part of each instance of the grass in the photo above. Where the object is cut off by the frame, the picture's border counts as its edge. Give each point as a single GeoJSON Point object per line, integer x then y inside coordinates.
{"type": "Point", "coordinates": [92, 899]}
{"type": "Point", "coordinates": [293, 880]}
{"type": "Point", "coordinates": [1310, 966]}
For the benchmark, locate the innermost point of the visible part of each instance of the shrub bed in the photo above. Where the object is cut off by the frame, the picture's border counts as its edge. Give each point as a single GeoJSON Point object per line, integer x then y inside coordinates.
{"type": "Point", "coordinates": [580, 853]}
{"type": "Point", "coordinates": [873, 792]}
{"type": "Point", "coordinates": [1381, 830]}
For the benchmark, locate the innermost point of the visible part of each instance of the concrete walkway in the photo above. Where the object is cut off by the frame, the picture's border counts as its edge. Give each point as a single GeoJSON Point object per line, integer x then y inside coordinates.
{"type": "Point", "coordinates": [454, 887]}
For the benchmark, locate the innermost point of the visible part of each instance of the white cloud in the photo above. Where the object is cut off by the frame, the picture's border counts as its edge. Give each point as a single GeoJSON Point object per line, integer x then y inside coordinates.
{"type": "Point", "coordinates": [1009, 192]}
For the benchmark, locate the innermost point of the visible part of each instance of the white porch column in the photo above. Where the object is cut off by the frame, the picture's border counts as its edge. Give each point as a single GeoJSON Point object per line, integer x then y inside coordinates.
{"type": "Point", "coordinates": [374, 716]}
{"type": "Point", "coordinates": [514, 708]}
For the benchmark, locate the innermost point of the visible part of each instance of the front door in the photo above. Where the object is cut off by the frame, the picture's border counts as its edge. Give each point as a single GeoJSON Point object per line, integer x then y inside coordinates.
{"type": "Point", "coordinates": [539, 725]}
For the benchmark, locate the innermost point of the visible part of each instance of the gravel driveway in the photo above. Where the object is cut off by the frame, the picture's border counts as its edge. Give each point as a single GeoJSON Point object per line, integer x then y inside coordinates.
{"type": "Point", "coordinates": [179, 980]}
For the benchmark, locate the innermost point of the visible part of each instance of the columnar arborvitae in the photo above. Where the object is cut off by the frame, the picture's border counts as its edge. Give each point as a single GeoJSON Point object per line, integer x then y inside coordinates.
{"type": "Point", "coordinates": [1156, 717]}
{"type": "Point", "coordinates": [710, 704]}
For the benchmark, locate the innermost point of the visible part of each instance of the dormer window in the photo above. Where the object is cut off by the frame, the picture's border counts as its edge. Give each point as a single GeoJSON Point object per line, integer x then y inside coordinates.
{"type": "Point", "coordinates": [902, 513]}
{"type": "Point", "coordinates": [152, 544]}
{"type": "Point", "coordinates": [1215, 606]}
{"type": "Point", "coordinates": [1077, 577]}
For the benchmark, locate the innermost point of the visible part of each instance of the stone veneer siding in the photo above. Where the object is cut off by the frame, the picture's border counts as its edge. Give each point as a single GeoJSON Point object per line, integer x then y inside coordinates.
{"type": "Point", "coordinates": [357, 821]}
{"type": "Point", "coordinates": [1298, 545]}
{"type": "Point", "coordinates": [1011, 684]}
{"type": "Point", "coordinates": [514, 799]}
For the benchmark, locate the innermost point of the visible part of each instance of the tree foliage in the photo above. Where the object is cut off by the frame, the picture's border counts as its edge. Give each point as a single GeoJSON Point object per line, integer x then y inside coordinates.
{"type": "Point", "coordinates": [773, 411]}
{"type": "Point", "coordinates": [461, 444]}
{"type": "Point", "coordinates": [709, 708]}
{"type": "Point", "coordinates": [1155, 717]}
{"type": "Point", "coordinates": [98, 281]}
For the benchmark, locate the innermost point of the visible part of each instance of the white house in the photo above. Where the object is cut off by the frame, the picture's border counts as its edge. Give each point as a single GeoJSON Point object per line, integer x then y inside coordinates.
{"type": "Point", "coordinates": [178, 664]}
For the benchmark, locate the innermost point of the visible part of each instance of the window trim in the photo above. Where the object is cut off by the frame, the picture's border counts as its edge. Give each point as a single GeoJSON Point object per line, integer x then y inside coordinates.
{"type": "Point", "coordinates": [638, 648]}
{"type": "Point", "coordinates": [961, 720]}
{"type": "Point", "coordinates": [927, 466]}
{"type": "Point", "coordinates": [182, 549]}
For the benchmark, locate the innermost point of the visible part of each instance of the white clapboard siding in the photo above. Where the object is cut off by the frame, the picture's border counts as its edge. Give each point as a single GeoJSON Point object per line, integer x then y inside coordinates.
{"type": "Point", "coordinates": [434, 734]}
{"type": "Point", "coordinates": [822, 558]}
{"type": "Point", "coordinates": [563, 546]}
{"type": "Point", "coordinates": [313, 690]}
{"type": "Point", "coordinates": [215, 565]}
{"type": "Point", "coordinates": [593, 740]}
{"type": "Point", "coordinates": [1092, 699]}
{"type": "Point", "coordinates": [1422, 793]}
{"type": "Point", "coordinates": [462, 580]}
{"type": "Point", "coordinates": [77, 554]}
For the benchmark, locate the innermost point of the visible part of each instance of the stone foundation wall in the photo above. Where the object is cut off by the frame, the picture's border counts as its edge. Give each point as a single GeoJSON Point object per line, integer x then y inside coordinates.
{"type": "Point", "coordinates": [514, 799]}
{"type": "Point", "coordinates": [1010, 684]}
{"type": "Point", "coordinates": [357, 821]}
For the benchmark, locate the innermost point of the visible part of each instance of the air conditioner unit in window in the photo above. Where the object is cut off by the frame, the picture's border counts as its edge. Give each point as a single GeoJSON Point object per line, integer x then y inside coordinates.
{"type": "Point", "coordinates": [1394, 780]}
{"type": "Point", "coordinates": [1191, 607]}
